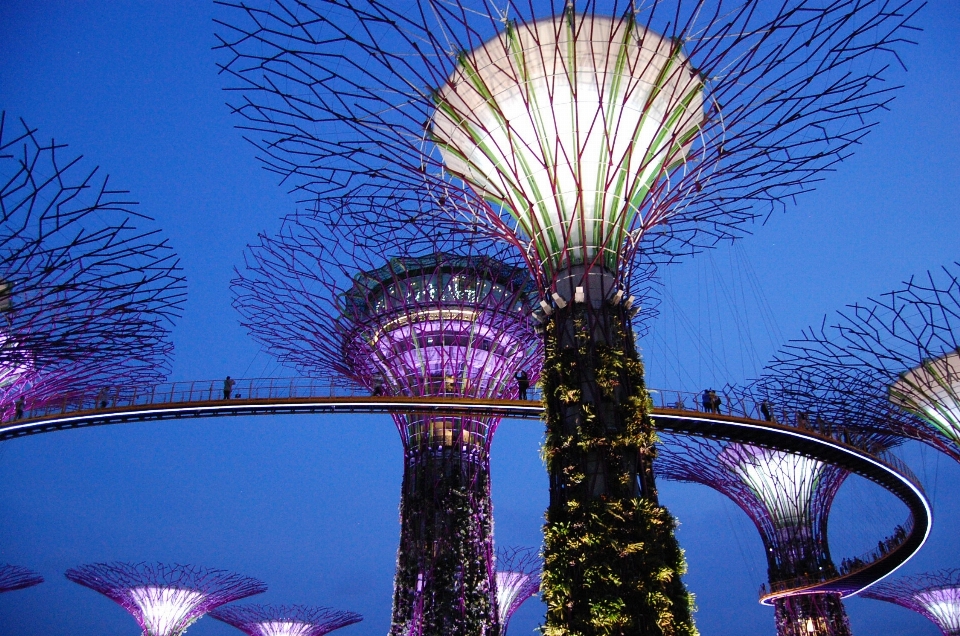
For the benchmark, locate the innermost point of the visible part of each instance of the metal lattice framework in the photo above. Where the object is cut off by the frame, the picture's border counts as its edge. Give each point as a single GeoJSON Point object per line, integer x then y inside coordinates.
{"type": "Point", "coordinates": [788, 497]}
{"type": "Point", "coordinates": [592, 133]}
{"type": "Point", "coordinates": [87, 294]}
{"type": "Point", "coordinates": [593, 139]}
{"type": "Point", "coordinates": [285, 620]}
{"type": "Point", "coordinates": [16, 577]}
{"type": "Point", "coordinates": [411, 312]}
{"type": "Point", "coordinates": [898, 355]}
{"type": "Point", "coordinates": [165, 599]}
{"type": "Point", "coordinates": [518, 578]}
{"type": "Point", "coordinates": [936, 595]}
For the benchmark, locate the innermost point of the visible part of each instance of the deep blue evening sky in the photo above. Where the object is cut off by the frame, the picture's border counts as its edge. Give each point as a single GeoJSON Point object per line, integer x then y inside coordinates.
{"type": "Point", "coordinates": [309, 503]}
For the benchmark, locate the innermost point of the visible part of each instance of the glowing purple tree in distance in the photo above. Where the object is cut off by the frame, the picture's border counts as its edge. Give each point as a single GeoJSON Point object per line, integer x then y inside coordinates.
{"type": "Point", "coordinates": [591, 138]}
{"type": "Point", "coordinates": [415, 312]}
{"type": "Point", "coordinates": [518, 578]}
{"type": "Point", "coordinates": [165, 600]}
{"type": "Point", "coordinates": [898, 354]}
{"type": "Point", "coordinates": [788, 498]}
{"type": "Point", "coordinates": [86, 295]}
{"type": "Point", "coordinates": [15, 577]}
{"type": "Point", "coordinates": [293, 620]}
{"type": "Point", "coordinates": [936, 595]}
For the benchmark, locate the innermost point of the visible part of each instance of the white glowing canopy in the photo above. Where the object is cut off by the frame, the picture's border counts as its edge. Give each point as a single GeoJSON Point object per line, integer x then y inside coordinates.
{"type": "Point", "coordinates": [786, 483]}
{"type": "Point", "coordinates": [569, 123]}
{"type": "Point", "coordinates": [166, 611]}
{"type": "Point", "coordinates": [932, 391]}
{"type": "Point", "coordinates": [943, 606]}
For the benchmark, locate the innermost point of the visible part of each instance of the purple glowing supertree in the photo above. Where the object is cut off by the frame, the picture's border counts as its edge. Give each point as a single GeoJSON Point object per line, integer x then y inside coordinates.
{"type": "Point", "coordinates": [15, 577]}
{"type": "Point", "coordinates": [165, 600]}
{"type": "Point", "coordinates": [292, 620]}
{"type": "Point", "coordinates": [518, 578]}
{"type": "Point", "coordinates": [592, 137]}
{"type": "Point", "coordinates": [422, 313]}
{"type": "Point", "coordinates": [898, 354]}
{"type": "Point", "coordinates": [936, 595]}
{"type": "Point", "coordinates": [86, 295]}
{"type": "Point", "coordinates": [788, 498]}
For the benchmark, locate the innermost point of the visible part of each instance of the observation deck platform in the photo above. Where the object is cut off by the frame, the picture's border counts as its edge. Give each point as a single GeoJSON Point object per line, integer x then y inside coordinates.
{"type": "Point", "coordinates": [289, 396]}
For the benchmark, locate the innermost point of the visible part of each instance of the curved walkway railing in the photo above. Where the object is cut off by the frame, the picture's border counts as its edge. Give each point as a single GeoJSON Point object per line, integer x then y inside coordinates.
{"type": "Point", "coordinates": [263, 396]}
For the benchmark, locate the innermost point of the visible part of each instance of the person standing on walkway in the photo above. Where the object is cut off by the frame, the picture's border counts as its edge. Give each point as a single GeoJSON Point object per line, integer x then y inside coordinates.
{"type": "Point", "coordinates": [228, 387]}
{"type": "Point", "coordinates": [523, 383]}
{"type": "Point", "coordinates": [18, 408]}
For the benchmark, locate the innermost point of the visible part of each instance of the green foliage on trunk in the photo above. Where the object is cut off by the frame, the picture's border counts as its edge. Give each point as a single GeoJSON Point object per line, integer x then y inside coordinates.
{"type": "Point", "coordinates": [612, 565]}
{"type": "Point", "coordinates": [443, 583]}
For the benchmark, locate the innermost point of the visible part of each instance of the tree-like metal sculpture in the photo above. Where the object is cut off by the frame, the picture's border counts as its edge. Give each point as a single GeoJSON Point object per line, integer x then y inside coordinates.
{"type": "Point", "coordinates": [935, 595]}
{"type": "Point", "coordinates": [15, 577]}
{"type": "Point", "coordinates": [292, 620]}
{"type": "Point", "coordinates": [518, 578]}
{"type": "Point", "coordinates": [788, 497]}
{"type": "Point", "coordinates": [592, 139]}
{"type": "Point", "coordinates": [165, 600]}
{"type": "Point", "coordinates": [413, 313]}
{"type": "Point", "coordinates": [86, 295]}
{"type": "Point", "coordinates": [898, 354]}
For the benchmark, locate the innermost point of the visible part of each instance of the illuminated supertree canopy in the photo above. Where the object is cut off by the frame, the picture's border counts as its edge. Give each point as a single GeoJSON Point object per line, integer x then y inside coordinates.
{"type": "Point", "coordinates": [292, 620]}
{"type": "Point", "coordinates": [593, 139]}
{"type": "Point", "coordinates": [419, 312]}
{"type": "Point", "coordinates": [788, 497]}
{"type": "Point", "coordinates": [518, 578]}
{"type": "Point", "coordinates": [87, 295]}
{"type": "Point", "coordinates": [900, 350]}
{"type": "Point", "coordinates": [165, 600]}
{"type": "Point", "coordinates": [15, 577]}
{"type": "Point", "coordinates": [935, 595]}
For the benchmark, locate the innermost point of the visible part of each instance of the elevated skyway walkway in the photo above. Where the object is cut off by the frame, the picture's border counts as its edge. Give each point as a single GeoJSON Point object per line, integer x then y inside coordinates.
{"type": "Point", "coordinates": [674, 413]}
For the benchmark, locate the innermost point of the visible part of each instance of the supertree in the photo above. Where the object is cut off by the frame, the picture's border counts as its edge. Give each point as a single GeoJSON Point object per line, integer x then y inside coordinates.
{"type": "Point", "coordinates": [292, 620]}
{"type": "Point", "coordinates": [518, 578]}
{"type": "Point", "coordinates": [165, 599]}
{"type": "Point", "coordinates": [15, 577]}
{"type": "Point", "coordinates": [898, 354]}
{"type": "Point", "coordinates": [86, 294]}
{"type": "Point", "coordinates": [936, 595]}
{"type": "Point", "coordinates": [593, 139]}
{"type": "Point", "coordinates": [418, 313]}
{"type": "Point", "coordinates": [788, 497]}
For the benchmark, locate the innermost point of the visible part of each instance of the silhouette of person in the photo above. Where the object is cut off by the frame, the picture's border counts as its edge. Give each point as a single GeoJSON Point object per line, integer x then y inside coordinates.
{"type": "Point", "coordinates": [228, 387]}
{"type": "Point", "coordinates": [523, 383]}
{"type": "Point", "coordinates": [765, 411]}
{"type": "Point", "coordinates": [18, 408]}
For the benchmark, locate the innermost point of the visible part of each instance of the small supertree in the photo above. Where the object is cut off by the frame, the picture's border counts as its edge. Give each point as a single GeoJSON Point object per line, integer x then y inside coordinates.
{"type": "Point", "coordinates": [518, 578]}
{"type": "Point", "coordinates": [898, 355]}
{"type": "Point", "coordinates": [15, 577]}
{"type": "Point", "coordinates": [86, 294]}
{"type": "Point", "coordinates": [420, 313]}
{"type": "Point", "coordinates": [935, 595]}
{"type": "Point", "coordinates": [285, 620]}
{"type": "Point", "coordinates": [592, 137]}
{"type": "Point", "coordinates": [788, 498]}
{"type": "Point", "coordinates": [165, 599]}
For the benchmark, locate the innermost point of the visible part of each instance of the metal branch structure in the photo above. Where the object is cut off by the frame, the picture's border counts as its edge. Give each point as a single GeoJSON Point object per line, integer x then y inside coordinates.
{"type": "Point", "coordinates": [594, 139]}
{"type": "Point", "coordinates": [87, 295]}
{"type": "Point", "coordinates": [898, 355]}
{"type": "Point", "coordinates": [16, 577]}
{"type": "Point", "coordinates": [935, 595]}
{"type": "Point", "coordinates": [418, 312]}
{"type": "Point", "coordinates": [518, 578]}
{"type": "Point", "coordinates": [285, 620]}
{"type": "Point", "coordinates": [788, 497]}
{"type": "Point", "coordinates": [165, 599]}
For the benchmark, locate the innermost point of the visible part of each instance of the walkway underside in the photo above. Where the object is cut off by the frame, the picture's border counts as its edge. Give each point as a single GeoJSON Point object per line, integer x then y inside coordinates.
{"type": "Point", "coordinates": [885, 471]}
